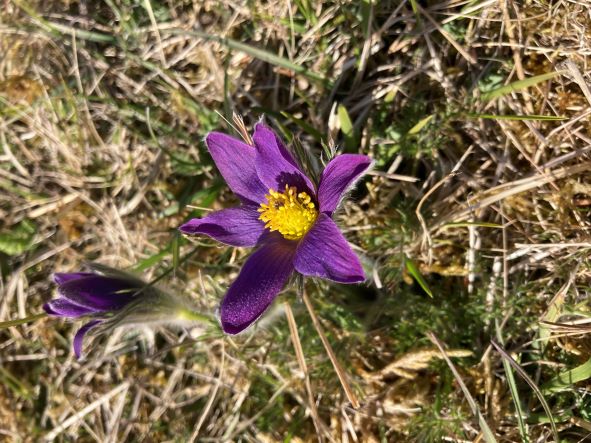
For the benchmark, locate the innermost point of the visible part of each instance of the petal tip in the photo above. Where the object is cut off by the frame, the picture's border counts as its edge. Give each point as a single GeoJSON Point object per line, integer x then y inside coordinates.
{"type": "Point", "coordinates": [48, 309]}
{"type": "Point", "coordinates": [353, 279]}
{"type": "Point", "coordinates": [231, 329]}
{"type": "Point", "coordinates": [230, 324]}
{"type": "Point", "coordinates": [60, 277]}
{"type": "Point", "coordinates": [214, 134]}
{"type": "Point", "coordinates": [261, 125]}
{"type": "Point", "coordinates": [187, 228]}
{"type": "Point", "coordinates": [79, 337]}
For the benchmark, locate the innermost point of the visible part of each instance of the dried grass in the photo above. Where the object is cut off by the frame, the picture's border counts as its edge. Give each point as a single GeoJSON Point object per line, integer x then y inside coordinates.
{"type": "Point", "coordinates": [100, 152]}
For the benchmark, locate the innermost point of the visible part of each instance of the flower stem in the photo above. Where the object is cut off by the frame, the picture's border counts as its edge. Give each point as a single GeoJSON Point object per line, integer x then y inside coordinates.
{"type": "Point", "coordinates": [331, 355]}
{"type": "Point", "coordinates": [22, 321]}
{"type": "Point", "coordinates": [187, 314]}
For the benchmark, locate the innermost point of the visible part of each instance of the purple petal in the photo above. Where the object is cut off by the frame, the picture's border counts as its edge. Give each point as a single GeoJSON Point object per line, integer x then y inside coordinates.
{"type": "Point", "coordinates": [325, 253]}
{"type": "Point", "coordinates": [265, 135]}
{"type": "Point", "coordinates": [79, 337]}
{"type": "Point", "coordinates": [236, 162]}
{"type": "Point", "coordinates": [61, 307]}
{"type": "Point", "coordinates": [274, 164]}
{"type": "Point", "coordinates": [233, 226]}
{"type": "Point", "coordinates": [262, 277]}
{"type": "Point", "coordinates": [62, 277]}
{"type": "Point", "coordinates": [338, 176]}
{"type": "Point", "coordinates": [100, 293]}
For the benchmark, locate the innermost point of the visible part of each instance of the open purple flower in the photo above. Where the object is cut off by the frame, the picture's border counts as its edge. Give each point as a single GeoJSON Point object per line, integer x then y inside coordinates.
{"type": "Point", "coordinates": [283, 215]}
{"type": "Point", "coordinates": [112, 298]}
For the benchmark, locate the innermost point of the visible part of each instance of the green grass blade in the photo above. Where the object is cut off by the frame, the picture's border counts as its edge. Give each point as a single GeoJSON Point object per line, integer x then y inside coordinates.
{"type": "Point", "coordinates": [487, 432]}
{"type": "Point", "coordinates": [514, 391]}
{"type": "Point", "coordinates": [415, 10]}
{"type": "Point", "coordinates": [346, 127]}
{"type": "Point", "coordinates": [19, 388]}
{"type": "Point", "coordinates": [307, 10]}
{"type": "Point", "coordinates": [516, 401]}
{"type": "Point", "coordinates": [59, 28]}
{"type": "Point", "coordinates": [176, 250]}
{"type": "Point", "coordinates": [566, 379]}
{"type": "Point", "coordinates": [413, 270]}
{"type": "Point", "coordinates": [22, 321]}
{"type": "Point", "coordinates": [532, 385]}
{"type": "Point", "coordinates": [152, 260]}
{"type": "Point", "coordinates": [258, 53]}
{"type": "Point", "coordinates": [519, 85]}
{"type": "Point", "coordinates": [420, 125]}
{"type": "Point", "coordinates": [90, 36]}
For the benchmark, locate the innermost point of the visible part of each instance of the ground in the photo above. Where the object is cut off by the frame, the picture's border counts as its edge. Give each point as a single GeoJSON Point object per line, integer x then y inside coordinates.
{"type": "Point", "coordinates": [473, 225]}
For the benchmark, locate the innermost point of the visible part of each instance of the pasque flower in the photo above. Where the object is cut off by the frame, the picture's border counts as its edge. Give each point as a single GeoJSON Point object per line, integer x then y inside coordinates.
{"type": "Point", "coordinates": [112, 298]}
{"type": "Point", "coordinates": [284, 215]}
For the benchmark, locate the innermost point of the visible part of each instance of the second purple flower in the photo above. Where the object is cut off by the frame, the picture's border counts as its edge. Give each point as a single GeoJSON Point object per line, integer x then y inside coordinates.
{"type": "Point", "coordinates": [283, 215]}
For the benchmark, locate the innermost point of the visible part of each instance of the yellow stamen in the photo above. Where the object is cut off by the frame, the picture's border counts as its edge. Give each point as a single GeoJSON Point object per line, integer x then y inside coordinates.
{"type": "Point", "coordinates": [289, 212]}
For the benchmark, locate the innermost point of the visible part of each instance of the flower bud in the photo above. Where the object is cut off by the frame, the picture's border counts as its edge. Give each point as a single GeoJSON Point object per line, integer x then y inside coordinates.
{"type": "Point", "coordinates": [110, 298]}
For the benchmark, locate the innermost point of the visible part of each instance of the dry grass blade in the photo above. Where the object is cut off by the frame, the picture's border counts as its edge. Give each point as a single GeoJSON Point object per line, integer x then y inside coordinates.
{"type": "Point", "coordinates": [447, 35]}
{"type": "Point", "coordinates": [331, 355]}
{"type": "Point", "coordinates": [426, 235]}
{"type": "Point", "coordinates": [83, 412]}
{"type": "Point", "coordinates": [148, 6]}
{"type": "Point", "coordinates": [574, 71]}
{"type": "Point", "coordinates": [505, 190]}
{"type": "Point", "coordinates": [297, 345]}
{"type": "Point", "coordinates": [582, 326]}
{"type": "Point", "coordinates": [403, 178]}
{"type": "Point", "coordinates": [409, 364]}
{"type": "Point", "coordinates": [212, 396]}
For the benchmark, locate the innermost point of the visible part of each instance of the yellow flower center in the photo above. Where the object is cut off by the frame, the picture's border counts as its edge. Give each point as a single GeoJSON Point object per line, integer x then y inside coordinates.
{"type": "Point", "coordinates": [288, 212]}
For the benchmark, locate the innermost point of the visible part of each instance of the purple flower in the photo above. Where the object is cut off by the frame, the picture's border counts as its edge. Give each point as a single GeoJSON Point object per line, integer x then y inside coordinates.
{"type": "Point", "coordinates": [283, 215]}
{"type": "Point", "coordinates": [113, 298]}
{"type": "Point", "coordinates": [86, 294]}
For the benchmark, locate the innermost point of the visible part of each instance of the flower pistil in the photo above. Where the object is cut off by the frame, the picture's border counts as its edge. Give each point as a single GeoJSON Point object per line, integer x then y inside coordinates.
{"type": "Point", "coordinates": [289, 212]}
